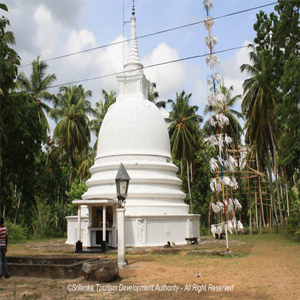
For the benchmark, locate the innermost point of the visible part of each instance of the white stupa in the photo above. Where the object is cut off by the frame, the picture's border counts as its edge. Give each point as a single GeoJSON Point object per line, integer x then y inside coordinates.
{"type": "Point", "coordinates": [134, 133]}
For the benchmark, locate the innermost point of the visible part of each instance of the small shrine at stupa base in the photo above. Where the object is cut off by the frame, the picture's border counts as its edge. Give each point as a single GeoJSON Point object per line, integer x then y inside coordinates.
{"type": "Point", "coordinates": [135, 134]}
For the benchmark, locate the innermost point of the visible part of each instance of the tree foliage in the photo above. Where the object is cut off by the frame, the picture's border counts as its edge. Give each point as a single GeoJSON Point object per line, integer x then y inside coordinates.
{"type": "Point", "coordinates": [234, 129]}
{"type": "Point", "coordinates": [278, 35]}
{"type": "Point", "coordinates": [71, 112]}
{"type": "Point", "coordinates": [101, 110]}
{"type": "Point", "coordinates": [9, 62]}
{"type": "Point", "coordinates": [37, 86]}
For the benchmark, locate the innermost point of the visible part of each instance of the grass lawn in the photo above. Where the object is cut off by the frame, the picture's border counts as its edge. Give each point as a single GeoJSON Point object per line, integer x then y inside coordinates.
{"type": "Point", "coordinates": [264, 267]}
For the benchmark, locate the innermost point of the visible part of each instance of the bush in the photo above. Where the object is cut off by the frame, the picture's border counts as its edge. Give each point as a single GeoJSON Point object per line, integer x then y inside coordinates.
{"type": "Point", "coordinates": [296, 236]}
{"type": "Point", "coordinates": [53, 233]}
{"type": "Point", "coordinates": [16, 233]}
{"type": "Point", "coordinates": [292, 228]}
{"type": "Point", "coordinates": [203, 231]}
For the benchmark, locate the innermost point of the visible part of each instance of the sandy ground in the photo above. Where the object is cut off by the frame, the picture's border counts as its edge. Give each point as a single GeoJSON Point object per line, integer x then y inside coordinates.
{"type": "Point", "coordinates": [265, 267]}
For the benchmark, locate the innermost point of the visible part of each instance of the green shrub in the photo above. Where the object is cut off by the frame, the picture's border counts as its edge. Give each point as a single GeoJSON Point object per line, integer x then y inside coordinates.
{"type": "Point", "coordinates": [16, 233]}
{"type": "Point", "coordinates": [296, 236]}
{"type": "Point", "coordinates": [203, 231]}
{"type": "Point", "coordinates": [292, 228]}
{"type": "Point", "coordinates": [53, 232]}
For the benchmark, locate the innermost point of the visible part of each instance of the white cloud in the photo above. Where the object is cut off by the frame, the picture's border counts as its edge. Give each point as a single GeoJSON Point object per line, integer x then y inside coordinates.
{"type": "Point", "coordinates": [46, 34]}
{"type": "Point", "coordinates": [230, 69]}
{"type": "Point", "coordinates": [110, 60]}
{"type": "Point", "coordinates": [52, 38]}
{"type": "Point", "coordinates": [200, 92]}
{"type": "Point", "coordinates": [80, 40]}
{"type": "Point", "coordinates": [169, 78]}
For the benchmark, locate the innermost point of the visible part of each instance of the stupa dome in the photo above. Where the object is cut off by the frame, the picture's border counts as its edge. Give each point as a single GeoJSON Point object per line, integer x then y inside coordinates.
{"type": "Point", "coordinates": [133, 126]}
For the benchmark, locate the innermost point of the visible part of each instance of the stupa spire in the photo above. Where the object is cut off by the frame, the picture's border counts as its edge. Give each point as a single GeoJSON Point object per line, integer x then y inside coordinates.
{"type": "Point", "coordinates": [133, 82]}
{"type": "Point", "coordinates": [133, 55]}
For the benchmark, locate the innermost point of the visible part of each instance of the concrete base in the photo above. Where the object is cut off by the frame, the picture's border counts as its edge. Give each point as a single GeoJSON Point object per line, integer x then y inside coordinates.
{"type": "Point", "coordinates": [121, 265]}
{"type": "Point", "coordinates": [65, 267]}
{"type": "Point", "coordinates": [78, 246]}
{"type": "Point", "coordinates": [104, 246]}
{"type": "Point", "coordinates": [157, 230]}
{"type": "Point", "coordinates": [144, 230]}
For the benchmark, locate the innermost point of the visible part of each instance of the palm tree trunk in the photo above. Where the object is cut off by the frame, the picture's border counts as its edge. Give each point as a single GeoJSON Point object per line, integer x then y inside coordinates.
{"type": "Point", "coordinates": [287, 197]}
{"type": "Point", "coordinates": [271, 188]}
{"type": "Point", "coordinates": [57, 196]}
{"type": "Point", "coordinates": [270, 220]}
{"type": "Point", "coordinates": [72, 163]}
{"type": "Point", "coordinates": [18, 208]}
{"type": "Point", "coordinates": [189, 186]}
{"type": "Point", "coordinates": [3, 214]}
{"type": "Point", "coordinates": [261, 203]}
{"type": "Point", "coordinates": [250, 207]}
{"type": "Point", "coordinates": [181, 168]}
{"type": "Point", "coordinates": [260, 226]}
{"type": "Point", "coordinates": [260, 194]}
{"type": "Point", "coordinates": [239, 179]}
{"type": "Point", "coordinates": [281, 193]}
{"type": "Point", "coordinates": [295, 188]}
{"type": "Point", "coordinates": [256, 214]}
{"type": "Point", "coordinates": [209, 217]}
{"type": "Point", "coordinates": [276, 176]}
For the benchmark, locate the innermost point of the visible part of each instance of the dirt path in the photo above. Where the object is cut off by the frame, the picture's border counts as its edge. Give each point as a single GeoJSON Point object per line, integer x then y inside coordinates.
{"type": "Point", "coordinates": [265, 268]}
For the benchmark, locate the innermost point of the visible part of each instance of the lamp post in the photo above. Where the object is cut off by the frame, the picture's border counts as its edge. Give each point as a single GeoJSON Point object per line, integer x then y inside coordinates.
{"type": "Point", "coordinates": [122, 183]}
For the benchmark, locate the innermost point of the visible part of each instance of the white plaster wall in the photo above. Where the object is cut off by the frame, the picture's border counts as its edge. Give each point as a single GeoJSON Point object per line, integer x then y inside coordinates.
{"type": "Point", "coordinates": [72, 227]}
{"type": "Point", "coordinates": [158, 230]}
{"type": "Point", "coordinates": [84, 211]}
{"type": "Point", "coordinates": [131, 232]}
{"type": "Point", "coordinates": [144, 230]}
{"type": "Point", "coordinates": [154, 187]}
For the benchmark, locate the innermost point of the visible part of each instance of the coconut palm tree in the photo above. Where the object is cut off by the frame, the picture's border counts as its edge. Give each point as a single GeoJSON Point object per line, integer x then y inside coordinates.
{"type": "Point", "coordinates": [9, 59]}
{"type": "Point", "coordinates": [100, 112]}
{"type": "Point", "coordinates": [71, 113]}
{"type": "Point", "coordinates": [3, 6]}
{"type": "Point", "coordinates": [234, 129]}
{"type": "Point", "coordinates": [153, 96]}
{"type": "Point", "coordinates": [183, 130]}
{"type": "Point", "coordinates": [9, 62]}
{"type": "Point", "coordinates": [84, 161]}
{"type": "Point", "coordinates": [258, 105]}
{"type": "Point", "coordinates": [37, 86]}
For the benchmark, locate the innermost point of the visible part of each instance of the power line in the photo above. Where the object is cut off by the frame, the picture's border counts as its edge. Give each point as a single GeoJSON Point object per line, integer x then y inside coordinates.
{"type": "Point", "coordinates": [146, 67]}
{"type": "Point", "coordinates": [155, 33]}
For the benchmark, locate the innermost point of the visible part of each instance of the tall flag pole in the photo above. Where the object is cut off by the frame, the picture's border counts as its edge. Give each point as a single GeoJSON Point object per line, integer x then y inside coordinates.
{"type": "Point", "coordinates": [221, 140]}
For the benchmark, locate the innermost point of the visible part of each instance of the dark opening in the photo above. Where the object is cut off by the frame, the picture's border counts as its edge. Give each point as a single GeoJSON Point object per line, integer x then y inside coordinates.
{"type": "Point", "coordinates": [99, 237]}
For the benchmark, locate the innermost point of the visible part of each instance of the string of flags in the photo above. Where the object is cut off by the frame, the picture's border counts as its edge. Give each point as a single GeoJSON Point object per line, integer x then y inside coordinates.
{"type": "Point", "coordinates": [221, 140]}
{"type": "Point", "coordinates": [217, 229]}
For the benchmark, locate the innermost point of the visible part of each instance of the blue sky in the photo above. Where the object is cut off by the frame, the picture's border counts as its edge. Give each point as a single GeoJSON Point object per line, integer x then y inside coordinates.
{"type": "Point", "coordinates": [55, 27]}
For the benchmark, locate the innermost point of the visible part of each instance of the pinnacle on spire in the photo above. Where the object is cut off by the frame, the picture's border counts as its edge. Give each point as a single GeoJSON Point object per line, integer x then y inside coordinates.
{"type": "Point", "coordinates": [133, 10]}
{"type": "Point", "coordinates": [133, 55]}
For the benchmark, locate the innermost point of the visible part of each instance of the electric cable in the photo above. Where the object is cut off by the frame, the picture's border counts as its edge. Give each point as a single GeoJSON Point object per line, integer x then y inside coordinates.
{"type": "Point", "coordinates": [151, 34]}
{"type": "Point", "coordinates": [145, 67]}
